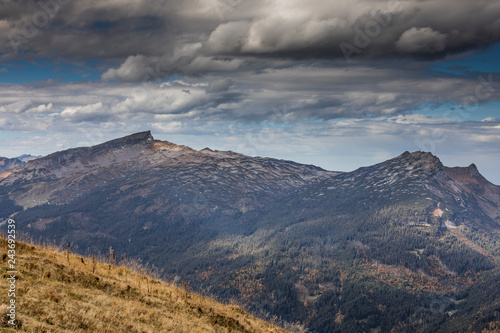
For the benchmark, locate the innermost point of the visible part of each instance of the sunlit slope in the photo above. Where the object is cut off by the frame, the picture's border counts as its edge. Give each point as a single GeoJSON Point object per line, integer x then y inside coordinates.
{"type": "Point", "coordinates": [57, 295]}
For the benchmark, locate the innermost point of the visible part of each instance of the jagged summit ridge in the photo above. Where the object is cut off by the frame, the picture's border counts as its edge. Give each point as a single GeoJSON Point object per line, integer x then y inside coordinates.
{"type": "Point", "coordinates": [406, 165]}
{"type": "Point", "coordinates": [140, 159]}
{"type": "Point", "coordinates": [65, 156]}
{"type": "Point", "coordinates": [470, 171]}
{"type": "Point", "coordinates": [71, 161]}
{"type": "Point", "coordinates": [139, 137]}
{"type": "Point", "coordinates": [420, 158]}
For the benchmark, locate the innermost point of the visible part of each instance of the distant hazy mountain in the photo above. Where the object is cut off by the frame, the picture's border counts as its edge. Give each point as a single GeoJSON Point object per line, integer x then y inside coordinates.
{"type": "Point", "coordinates": [404, 245]}
{"type": "Point", "coordinates": [27, 157]}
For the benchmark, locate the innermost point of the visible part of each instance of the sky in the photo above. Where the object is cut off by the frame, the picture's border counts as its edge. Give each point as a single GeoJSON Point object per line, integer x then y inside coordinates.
{"type": "Point", "coordinates": [335, 83]}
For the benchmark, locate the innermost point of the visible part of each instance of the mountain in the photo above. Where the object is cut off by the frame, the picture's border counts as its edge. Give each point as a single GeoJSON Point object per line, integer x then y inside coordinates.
{"type": "Point", "coordinates": [138, 159]}
{"type": "Point", "coordinates": [60, 293]}
{"type": "Point", "coordinates": [405, 245]}
{"type": "Point", "coordinates": [27, 157]}
{"type": "Point", "coordinates": [7, 165]}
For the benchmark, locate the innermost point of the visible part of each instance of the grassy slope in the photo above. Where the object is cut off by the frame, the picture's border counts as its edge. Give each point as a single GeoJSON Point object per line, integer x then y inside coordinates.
{"type": "Point", "coordinates": [55, 295]}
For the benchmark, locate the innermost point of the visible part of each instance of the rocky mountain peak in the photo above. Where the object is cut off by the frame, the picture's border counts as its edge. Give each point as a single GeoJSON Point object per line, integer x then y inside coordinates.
{"type": "Point", "coordinates": [64, 163]}
{"type": "Point", "coordinates": [420, 159]}
{"type": "Point", "coordinates": [424, 156]}
{"type": "Point", "coordinates": [468, 174]}
{"type": "Point", "coordinates": [472, 170]}
{"type": "Point", "coordinates": [141, 137]}
{"type": "Point", "coordinates": [69, 155]}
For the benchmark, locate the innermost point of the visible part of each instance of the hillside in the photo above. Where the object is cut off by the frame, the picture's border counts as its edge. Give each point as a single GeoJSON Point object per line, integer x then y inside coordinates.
{"type": "Point", "coordinates": [57, 295]}
{"type": "Point", "coordinates": [405, 245]}
{"type": "Point", "coordinates": [8, 165]}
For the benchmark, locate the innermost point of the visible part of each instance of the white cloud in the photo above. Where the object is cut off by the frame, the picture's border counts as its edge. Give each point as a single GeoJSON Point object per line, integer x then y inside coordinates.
{"type": "Point", "coordinates": [419, 119]}
{"type": "Point", "coordinates": [91, 112]}
{"type": "Point", "coordinates": [167, 127]}
{"type": "Point", "coordinates": [491, 119]}
{"type": "Point", "coordinates": [42, 108]}
{"type": "Point", "coordinates": [16, 107]}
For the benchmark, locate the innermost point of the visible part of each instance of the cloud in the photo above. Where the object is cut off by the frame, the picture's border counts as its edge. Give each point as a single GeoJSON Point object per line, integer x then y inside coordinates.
{"type": "Point", "coordinates": [16, 107]}
{"type": "Point", "coordinates": [228, 37]}
{"type": "Point", "coordinates": [41, 108]}
{"type": "Point", "coordinates": [318, 91]}
{"type": "Point", "coordinates": [133, 69]}
{"type": "Point", "coordinates": [421, 40]}
{"type": "Point", "coordinates": [420, 119]}
{"type": "Point", "coordinates": [167, 127]}
{"type": "Point", "coordinates": [219, 85]}
{"type": "Point", "coordinates": [271, 29]}
{"type": "Point", "coordinates": [491, 120]}
{"type": "Point", "coordinates": [91, 113]}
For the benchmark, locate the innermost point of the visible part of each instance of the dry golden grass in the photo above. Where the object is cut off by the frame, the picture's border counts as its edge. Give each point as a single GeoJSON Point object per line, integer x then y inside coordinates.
{"type": "Point", "coordinates": [54, 295]}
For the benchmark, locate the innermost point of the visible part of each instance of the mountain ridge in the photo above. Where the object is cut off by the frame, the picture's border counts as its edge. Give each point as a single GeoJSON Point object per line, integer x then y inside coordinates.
{"type": "Point", "coordinates": [77, 171]}
{"type": "Point", "coordinates": [387, 246]}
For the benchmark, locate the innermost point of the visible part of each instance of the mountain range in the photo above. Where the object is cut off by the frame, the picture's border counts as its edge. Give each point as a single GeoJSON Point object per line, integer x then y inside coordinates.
{"type": "Point", "coordinates": [407, 245]}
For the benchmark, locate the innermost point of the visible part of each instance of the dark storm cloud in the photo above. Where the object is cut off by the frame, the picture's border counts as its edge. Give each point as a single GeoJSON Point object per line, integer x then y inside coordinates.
{"type": "Point", "coordinates": [249, 60]}
{"type": "Point", "coordinates": [264, 28]}
{"type": "Point", "coordinates": [82, 29]}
